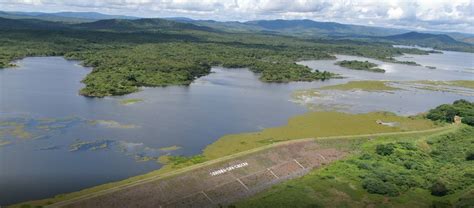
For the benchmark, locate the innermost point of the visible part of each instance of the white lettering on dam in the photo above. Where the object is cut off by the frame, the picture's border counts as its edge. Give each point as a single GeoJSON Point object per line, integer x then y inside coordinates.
{"type": "Point", "coordinates": [227, 169]}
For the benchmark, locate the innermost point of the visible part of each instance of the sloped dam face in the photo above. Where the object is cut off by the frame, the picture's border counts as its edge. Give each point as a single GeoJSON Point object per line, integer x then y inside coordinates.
{"type": "Point", "coordinates": [219, 183]}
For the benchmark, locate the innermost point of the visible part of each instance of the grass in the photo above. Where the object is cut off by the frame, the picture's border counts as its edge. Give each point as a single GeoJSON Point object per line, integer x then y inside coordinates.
{"type": "Point", "coordinates": [437, 157]}
{"type": "Point", "coordinates": [456, 83]}
{"type": "Point", "coordinates": [130, 101]}
{"type": "Point", "coordinates": [313, 124]}
{"type": "Point", "coordinates": [370, 86]}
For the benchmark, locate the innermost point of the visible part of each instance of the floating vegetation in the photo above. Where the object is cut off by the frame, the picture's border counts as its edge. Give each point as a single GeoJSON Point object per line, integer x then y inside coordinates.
{"type": "Point", "coordinates": [80, 145]}
{"type": "Point", "coordinates": [139, 151]}
{"type": "Point", "coordinates": [111, 124]}
{"type": "Point", "coordinates": [130, 101]}
{"type": "Point", "coordinates": [31, 128]}
{"type": "Point", "coordinates": [4, 143]}
{"type": "Point", "coordinates": [461, 87]}
{"type": "Point", "coordinates": [305, 96]}
{"type": "Point", "coordinates": [50, 148]}
{"type": "Point", "coordinates": [369, 86]}
{"type": "Point", "coordinates": [170, 148]}
{"type": "Point", "coordinates": [366, 96]}
{"type": "Point", "coordinates": [19, 131]}
{"type": "Point", "coordinates": [456, 83]}
{"type": "Point", "coordinates": [15, 129]}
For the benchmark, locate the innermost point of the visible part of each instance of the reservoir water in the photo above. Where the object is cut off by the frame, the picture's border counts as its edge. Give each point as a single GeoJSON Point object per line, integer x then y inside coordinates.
{"type": "Point", "coordinates": [53, 140]}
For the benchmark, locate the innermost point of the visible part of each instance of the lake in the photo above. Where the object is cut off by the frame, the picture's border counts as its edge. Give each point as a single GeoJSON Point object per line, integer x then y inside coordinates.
{"type": "Point", "coordinates": [54, 141]}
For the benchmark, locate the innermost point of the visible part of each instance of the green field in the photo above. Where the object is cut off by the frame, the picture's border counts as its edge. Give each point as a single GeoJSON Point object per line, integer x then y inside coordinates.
{"type": "Point", "coordinates": [397, 171]}
{"type": "Point", "coordinates": [315, 124]}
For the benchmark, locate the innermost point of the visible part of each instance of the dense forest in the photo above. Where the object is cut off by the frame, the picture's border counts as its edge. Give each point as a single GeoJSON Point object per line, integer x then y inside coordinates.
{"type": "Point", "coordinates": [360, 65]}
{"type": "Point", "coordinates": [128, 54]}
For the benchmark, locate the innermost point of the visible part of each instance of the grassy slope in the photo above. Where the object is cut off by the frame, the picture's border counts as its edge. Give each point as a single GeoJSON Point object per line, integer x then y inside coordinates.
{"type": "Point", "coordinates": [315, 124]}
{"type": "Point", "coordinates": [439, 157]}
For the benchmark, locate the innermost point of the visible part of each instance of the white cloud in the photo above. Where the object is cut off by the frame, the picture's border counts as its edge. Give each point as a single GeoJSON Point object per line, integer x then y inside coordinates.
{"type": "Point", "coordinates": [395, 13]}
{"type": "Point", "coordinates": [446, 15]}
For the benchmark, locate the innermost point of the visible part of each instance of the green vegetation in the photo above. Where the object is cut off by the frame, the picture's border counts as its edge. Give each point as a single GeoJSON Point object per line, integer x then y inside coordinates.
{"type": "Point", "coordinates": [89, 145]}
{"type": "Point", "coordinates": [4, 142]}
{"type": "Point", "coordinates": [446, 112]}
{"type": "Point", "coordinates": [317, 124]}
{"type": "Point", "coordinates": [312, 125]}
{"type": "Point", "coordinates": [370, 86]}
{"type": "Point", "coordinates": [128, 54]}
{"type": "Point", "coordinates": [111, 124]}
{"type": "Point", "coordinates": [130, 101]}
{"type": "Point", "coordinates": [183, 161]}
{"type": "Point", "coordinates": [412, 63]}
{"type": "Point", "coordinates": [456, 83]}
{"type": "Point", "coordinates": [397, 171]}
{"type": "Point", "coordinates": [170, 148]}
{"type": "Point", "coordinates": [15, 129]}
{"type": "Point", "coordinates": [360, 65]}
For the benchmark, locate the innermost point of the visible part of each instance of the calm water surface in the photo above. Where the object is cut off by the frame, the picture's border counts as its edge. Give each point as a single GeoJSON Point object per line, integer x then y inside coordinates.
{"type": "Point", "coordinates": [40, 98]}
{"type": "Point", "coordinates": [43, 121]}
{"type": "Point", "coordinates": [408, 101]}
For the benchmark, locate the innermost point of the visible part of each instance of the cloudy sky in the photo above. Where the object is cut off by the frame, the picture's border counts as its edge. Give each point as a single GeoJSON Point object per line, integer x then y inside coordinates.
{"type": "Point", "coordinates": [440, 15]}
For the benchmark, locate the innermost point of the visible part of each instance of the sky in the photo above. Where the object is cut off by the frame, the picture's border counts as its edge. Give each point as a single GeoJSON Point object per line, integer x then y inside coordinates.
{"type": "Point", "coordinates": [422, 15]}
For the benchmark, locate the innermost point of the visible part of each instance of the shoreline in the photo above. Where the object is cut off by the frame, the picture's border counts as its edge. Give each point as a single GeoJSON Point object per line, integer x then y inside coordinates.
{"type": "Point", "coordinates": [61, 200]}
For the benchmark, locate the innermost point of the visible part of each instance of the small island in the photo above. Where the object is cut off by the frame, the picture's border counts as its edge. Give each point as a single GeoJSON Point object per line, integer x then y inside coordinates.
{"type": "Point", "coordinates": [360, 65]}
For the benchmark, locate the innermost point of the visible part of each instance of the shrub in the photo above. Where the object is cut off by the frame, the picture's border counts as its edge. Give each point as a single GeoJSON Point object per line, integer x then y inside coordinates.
{"type": "Point", "coordinates": [385, 149]}
{"type": "Point", "coordinates": [441, 204]}
{"type": "Point", "coordinates": [407, 145]}
{"type": "Point", "coordinates": [469, 120]}
{"type": "Point", "coordinates": [446, 112]}
{"type": "Point", "coordinates": [439, 189]}
{"type": "Point", "coordinates": [376, 186]}
{"type": "Point", "coordinates": [470, 156]}
{"type": "Point", "coordinates": [364, 165]}
{"type": "Point", "coordinates": [365, 157]}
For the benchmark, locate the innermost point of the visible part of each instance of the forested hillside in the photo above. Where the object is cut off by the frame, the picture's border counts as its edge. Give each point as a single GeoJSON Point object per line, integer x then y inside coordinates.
{"type": "Point", "coordinates": [127, 54]}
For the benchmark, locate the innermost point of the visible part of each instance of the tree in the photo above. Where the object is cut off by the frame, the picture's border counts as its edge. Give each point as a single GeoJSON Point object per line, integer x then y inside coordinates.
{"type": "Point", "coordinates": [439, 189]}
{"type": "Point", "coordinates": [377, 186]}
{"type": "Point", "coordinates": [385, 149]}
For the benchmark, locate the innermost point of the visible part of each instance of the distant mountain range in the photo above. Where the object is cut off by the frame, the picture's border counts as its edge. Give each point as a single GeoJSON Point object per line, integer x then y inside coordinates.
{"type": "Point", "coordinates": [305, 27]}
{"type": "Point", "coordinates": [301, 28]}
{"type": "Point", "coordinates": [146, 24]}
{"type": "Point", "coordinates": [69, 17]}
{"type": "Point", "coordinates": [416, 37]}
